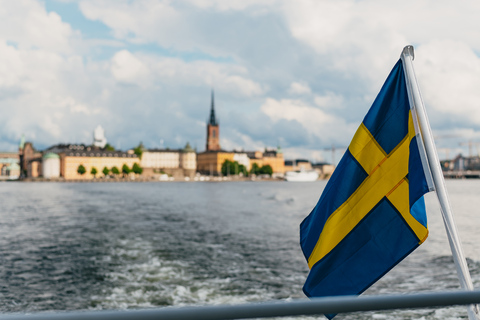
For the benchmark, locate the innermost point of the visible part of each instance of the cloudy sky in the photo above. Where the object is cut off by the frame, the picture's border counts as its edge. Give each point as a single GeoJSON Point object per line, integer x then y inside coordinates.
{"type": "Point", "coordinates": [300, 74]}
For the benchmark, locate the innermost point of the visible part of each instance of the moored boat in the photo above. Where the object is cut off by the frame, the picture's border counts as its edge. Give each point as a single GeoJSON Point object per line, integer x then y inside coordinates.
{"type": "Point", "coordinates": [301, 175]}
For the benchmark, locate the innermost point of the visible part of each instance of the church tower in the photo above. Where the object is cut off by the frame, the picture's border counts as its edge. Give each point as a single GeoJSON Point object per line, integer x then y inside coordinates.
{"type": "Point", "coordinates": [213, 130]}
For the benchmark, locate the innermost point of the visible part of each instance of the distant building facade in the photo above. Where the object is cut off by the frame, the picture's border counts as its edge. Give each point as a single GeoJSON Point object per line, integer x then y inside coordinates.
{"type": "Point", "coordinates": [325, 170]}
{"type": "Point", "coordinates": [178, 163]}
{"type": "Point", "coordinates": [9, 165]}
{"type": "Point", "coordinates": [210, 162]}
{"type": "Point", "coordinates": [62, 161]}
{"type": "Point", "coordinates": [51, 165]}
{"type": "Point", "coordinates": [30, 160]}
{"type": "Point", "coordinates": [73, 155]}
{"type": "Point", "coordinates": [274, 159]}
{"type": "Point", "coordinates": [298, 164]}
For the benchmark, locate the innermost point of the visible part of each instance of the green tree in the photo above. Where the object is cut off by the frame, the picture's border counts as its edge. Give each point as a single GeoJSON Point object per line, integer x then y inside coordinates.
{"type": "Point", "coordinates": [106, 171]}
{"type": "Point", "coordinates": [109, 147]}
{"type": "Point", "coordinates": [267, 169]}
{"type": "Point", "coordinates": [94, 172]}
{"type": "Point", "coordinates": [136, 169]}
{"type": "Point", "coordinates": [81, 169]}
{"type": "Point", "coordinates": [115, 171]}
{"type": "Point", "coordinates": [226, 167]}
{"type": "Point", "coordinates": [255, 169]}
{"type": "Point", "coordinates": [242, 169]}
{"type": "Point", "coordinates": [139, 150]}
{"type": "Point", "coordinates": [233, 168]}
{"type": "Point", "coordinates": [125, 170]}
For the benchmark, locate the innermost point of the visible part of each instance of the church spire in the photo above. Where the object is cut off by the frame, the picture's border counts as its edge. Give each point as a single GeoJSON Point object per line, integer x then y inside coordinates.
{"type": "Point", "coordinates": [213, 120]}
{"type": "Point", "coordinates": [213, 130]}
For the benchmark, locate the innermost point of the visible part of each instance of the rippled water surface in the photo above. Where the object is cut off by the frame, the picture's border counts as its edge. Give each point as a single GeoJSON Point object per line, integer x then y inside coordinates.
{"type": "Point", "coordinates": [75, 246]}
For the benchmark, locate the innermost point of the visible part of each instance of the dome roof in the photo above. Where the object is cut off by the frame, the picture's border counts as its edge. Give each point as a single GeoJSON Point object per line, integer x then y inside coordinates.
{"type": "Point", "coordinates": [51, 155]}
{"type": "Point", "coordinates": [188, 148]}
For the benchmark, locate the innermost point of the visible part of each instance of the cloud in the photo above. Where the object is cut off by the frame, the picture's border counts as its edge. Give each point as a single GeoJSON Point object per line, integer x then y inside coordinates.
{"type": "Point", "coordinates": [299, 88]}
{"type": "Point", "coordinates": [27, 25]}
{"type": "Point", "coordinates": [233, 4]}
{"type": "Point", "coordinates": [449, 75]}
{"type": "Point", "coordinates": [227, 78]}
{"type": "Point", "coordinates": [329, 100]}
{"type": "Point", "coordinates": [325, 127]}
{"type": "Point", "coordinates": [127, 68]}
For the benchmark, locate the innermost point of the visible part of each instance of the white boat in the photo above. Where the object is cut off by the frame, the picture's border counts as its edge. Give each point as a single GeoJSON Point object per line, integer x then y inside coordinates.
{"type": "Point", "coordinates": [301, 175]}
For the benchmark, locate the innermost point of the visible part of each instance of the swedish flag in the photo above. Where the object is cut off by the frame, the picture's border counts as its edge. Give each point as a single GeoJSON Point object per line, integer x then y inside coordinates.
{"type": "Point", "coordinates": [371, 214]}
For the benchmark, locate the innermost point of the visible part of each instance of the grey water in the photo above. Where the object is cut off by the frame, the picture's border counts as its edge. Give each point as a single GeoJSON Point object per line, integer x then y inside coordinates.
{"type": "Point", "coordinates": [93, 246]}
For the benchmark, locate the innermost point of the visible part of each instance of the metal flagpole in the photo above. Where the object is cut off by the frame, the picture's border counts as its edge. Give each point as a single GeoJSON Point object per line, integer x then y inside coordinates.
{"type": "Point", "coordinates": [437, 175]}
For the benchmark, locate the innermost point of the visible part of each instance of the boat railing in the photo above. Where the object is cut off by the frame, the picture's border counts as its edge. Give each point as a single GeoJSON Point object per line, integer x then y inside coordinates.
{"type": "Point", "coordinates": [303, 307]}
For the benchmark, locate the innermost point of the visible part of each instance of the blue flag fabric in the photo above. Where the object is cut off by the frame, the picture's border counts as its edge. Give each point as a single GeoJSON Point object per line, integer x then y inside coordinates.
{"type": "Point", "coordinates": [371, 214]}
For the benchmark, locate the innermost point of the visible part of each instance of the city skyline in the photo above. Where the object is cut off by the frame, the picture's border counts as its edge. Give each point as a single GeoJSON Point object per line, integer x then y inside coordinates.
{"type": "Point", "coordinates": [299, 74]}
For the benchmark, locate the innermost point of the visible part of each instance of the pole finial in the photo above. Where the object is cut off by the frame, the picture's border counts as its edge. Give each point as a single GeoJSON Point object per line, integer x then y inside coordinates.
{"type": "Point", "coordinates": [408, 51]}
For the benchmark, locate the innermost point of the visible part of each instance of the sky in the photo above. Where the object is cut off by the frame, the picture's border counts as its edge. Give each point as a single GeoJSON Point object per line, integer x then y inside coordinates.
{"type": "Point", "coordinates": [297, 74]}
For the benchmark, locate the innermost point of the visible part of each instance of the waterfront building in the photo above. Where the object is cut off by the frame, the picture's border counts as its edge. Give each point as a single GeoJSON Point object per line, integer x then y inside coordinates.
{"type": "Point", "coordinates": [274, 158]}
{"type": "Point", "coordinates": [178, 163]}
{"type": "Point", "coordinates": [12, 171]}
{"type": "Point", "coordinates": [210, 162]}
{"type": "Point", "coordinates": [51, 165]}
{"type": "Point", "coordinates": [298, 164]}
{"type": "Point", "coordinates": [242, 158]}
{"type": "Point", "coordinates": [30, 160]}
{"type": "Point", "coordinates": [325, 170]}
{"type": "Point", "coordinates": [73, 155]}
{"type": "Point", "coordinates": [255, 157]}
{"type": "Point", "coordinates": [62, 161]}
{"type": "Point", "coordinates": [34, 168]}
{"type": "Point", "coordinates": [9, 165]}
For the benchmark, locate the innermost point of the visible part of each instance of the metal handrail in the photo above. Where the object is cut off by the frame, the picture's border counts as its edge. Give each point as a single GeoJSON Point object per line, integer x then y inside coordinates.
{"type": "Point", "coordinates": [316, 306]}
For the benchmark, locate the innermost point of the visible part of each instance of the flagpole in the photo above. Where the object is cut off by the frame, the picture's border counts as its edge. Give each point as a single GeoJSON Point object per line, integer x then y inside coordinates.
{"type": "Point", "coordinates": [418, 107]}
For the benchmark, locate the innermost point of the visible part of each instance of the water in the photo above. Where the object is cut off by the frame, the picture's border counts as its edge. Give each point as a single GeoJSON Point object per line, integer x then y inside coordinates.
{"type": "Point", "coordinates": [77, 246]}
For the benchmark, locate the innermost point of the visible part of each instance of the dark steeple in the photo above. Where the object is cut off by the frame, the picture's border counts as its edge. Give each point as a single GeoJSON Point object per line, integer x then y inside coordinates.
{"type": "Point", "coordinates": [212, 121]}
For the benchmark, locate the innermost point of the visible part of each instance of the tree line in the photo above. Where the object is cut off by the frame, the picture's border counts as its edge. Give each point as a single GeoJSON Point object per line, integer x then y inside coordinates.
{"type": "Point", "coordinates": [234, 168]}
{"type": "Point", "coordinates": [114, 170]}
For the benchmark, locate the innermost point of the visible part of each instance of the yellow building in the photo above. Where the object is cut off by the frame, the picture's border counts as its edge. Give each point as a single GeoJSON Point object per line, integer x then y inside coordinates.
{"type": "Point", "coordinates": [272, 157]}
{"type": "Point", "coordinates": [210, 162]}
{"type": "Point", "coordinates": [73, 155]}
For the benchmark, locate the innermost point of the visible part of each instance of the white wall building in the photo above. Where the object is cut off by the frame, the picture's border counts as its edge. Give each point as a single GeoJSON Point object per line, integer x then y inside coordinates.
{"type": "Point", "coordinates": [242, 158]}
{"type": "Point", "coordinates": [159, 159]}
{"type": "Point", "coordinates": [51, 165]}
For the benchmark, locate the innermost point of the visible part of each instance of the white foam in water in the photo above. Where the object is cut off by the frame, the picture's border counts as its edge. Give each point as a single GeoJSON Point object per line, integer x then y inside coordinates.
{"type": "Point", "coordinates": [144, 281]}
